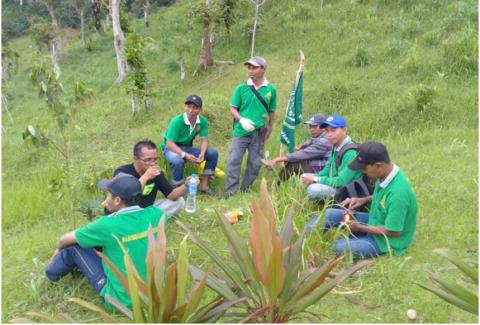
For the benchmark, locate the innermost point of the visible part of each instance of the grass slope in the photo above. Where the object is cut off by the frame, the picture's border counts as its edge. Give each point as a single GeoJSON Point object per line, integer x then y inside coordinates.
{"type": "Point", "coordinates": [402, 72]}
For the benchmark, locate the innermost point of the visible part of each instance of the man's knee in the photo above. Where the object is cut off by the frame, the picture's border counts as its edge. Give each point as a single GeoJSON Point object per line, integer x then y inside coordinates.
{"type": "Point", "coordinates": [211, 154]}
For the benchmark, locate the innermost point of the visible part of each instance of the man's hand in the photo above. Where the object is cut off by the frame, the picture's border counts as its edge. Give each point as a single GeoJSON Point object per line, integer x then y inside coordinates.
{"type": "Point", "coordinates": [152, 172]}
{"type": "Point", "coordinates": [200, 158]}
{"type": "Point", "coordinates": [191, 158]}
{"type": "Point", "coordinates": [269, 164]}
{"type": "Point", "coordinates": [247, 124]}
{"type": "Point", "coordinates": [354, 226]}
{"type": "Point", "coordinates": [354, 202]}
{"type": "Point", "coordinates": [307, 179]}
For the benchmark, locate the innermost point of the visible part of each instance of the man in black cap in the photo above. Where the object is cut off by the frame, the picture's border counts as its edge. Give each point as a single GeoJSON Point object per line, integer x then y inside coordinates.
{"type": "Point", "coordinates": [127, 224]}
{"type": "Point", "coordinates": [178, 146]}
{"type": "Point", "coordinates": [253, 106]}
{"type": "Point", "coordinates": [308, 157]}
{"type": "Point", "coordinates": [389, 225]}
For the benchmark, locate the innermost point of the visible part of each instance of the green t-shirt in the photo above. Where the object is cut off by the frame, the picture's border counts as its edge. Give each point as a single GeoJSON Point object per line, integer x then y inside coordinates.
{"type": "Point", "coordinates": [130, 226]}
{"type": "Point", "coordinates": [394, 207]}
{"type": "Point", "coordinates": [180, 131]}
{"type": "Point", "coordinates": [334, 177]}
{"type": "Point", "coordinates": [250, 107]}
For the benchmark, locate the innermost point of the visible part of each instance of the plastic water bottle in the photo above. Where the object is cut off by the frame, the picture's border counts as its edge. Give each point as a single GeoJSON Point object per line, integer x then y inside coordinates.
{"type": "Point", "coordinates": [191, 205]}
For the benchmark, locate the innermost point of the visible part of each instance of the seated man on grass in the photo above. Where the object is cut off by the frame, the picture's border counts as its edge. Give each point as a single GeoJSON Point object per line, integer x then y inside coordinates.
{"type": "Point", "coordinates": [177, 144]}
{"type": "Point", "coordinates": [129, 223]}
{"type": "Point", "coordinates": [336, 172]}
{"type": "Point", "coordinates": [308, 157]}
{"type": "Point", "coordinates": [390, 223]}
{"type": "Point", "coordinates": [152, 179]}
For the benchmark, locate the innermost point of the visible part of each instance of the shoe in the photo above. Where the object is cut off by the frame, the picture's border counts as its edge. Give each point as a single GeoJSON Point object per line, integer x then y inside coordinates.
{"type": "Point", "coordinates": [209, 191]}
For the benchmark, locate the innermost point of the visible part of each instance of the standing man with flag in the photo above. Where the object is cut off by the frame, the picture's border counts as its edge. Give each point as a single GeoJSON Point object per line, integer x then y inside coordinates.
{"type": "Point", "coordinates": [253, 106]}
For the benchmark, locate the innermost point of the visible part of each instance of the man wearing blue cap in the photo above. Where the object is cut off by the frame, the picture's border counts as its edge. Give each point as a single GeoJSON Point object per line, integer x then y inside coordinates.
{"type": "Point", "coordinates": [308, 157]}
{"type": "Point", "coordinates": [253, 106]}
{"type": "Point", "coordinates": [336, 172]}
{"type": "Point", "coordinates": [129, 224]}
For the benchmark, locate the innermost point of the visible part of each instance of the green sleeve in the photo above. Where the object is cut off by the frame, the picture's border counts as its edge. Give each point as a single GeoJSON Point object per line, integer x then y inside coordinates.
{"type": "Point", "coordinates": [204, 129]}
{"type": "Point", "coordinates": [345, 175]}
{"type": "Point", "coordinates": [397, 210]}
{"type": "Point", "coordinates": [172, 131]}
{"type": "Point", "coordinates": [273, 101]}
{"type": "Point", "coordinates": [236, 99]}
{"type": "Point", "coordinates": [94, 234]}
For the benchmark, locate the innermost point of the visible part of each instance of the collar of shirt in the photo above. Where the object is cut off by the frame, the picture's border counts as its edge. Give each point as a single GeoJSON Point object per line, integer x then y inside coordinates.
{"type": "Point", "coordinates": [132, 208]}
{"type": "Point", "coordinates": [390, 176]}
{"type": "Point", "coordinates": [187, 122]}
{"type": "Point", "coordinates": [344, 142]}
{"type": "Point", "coordinates": [250, 82]}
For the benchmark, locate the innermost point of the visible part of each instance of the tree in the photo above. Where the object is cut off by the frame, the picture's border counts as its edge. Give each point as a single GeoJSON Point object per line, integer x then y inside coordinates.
{"type": "Point", "coordinates": [57, 43]}
{"type": "Point", "coordinates": [228, 9]}
{"type": "Point", "coordinates": [206, 57]}
{"type": "Point", "coordinates": [146, 7]}
{"type": "Point", "coordinates": [118, 40]}
{"type": "Point", "coordinates": [258, 4]}
{"type": "Point", "coordinates": [97, 16]}
{"type": "Point", "coordinates": [80, 6]}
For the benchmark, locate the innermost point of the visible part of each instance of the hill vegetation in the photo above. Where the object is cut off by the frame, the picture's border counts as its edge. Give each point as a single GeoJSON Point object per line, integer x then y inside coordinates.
{"type": "Point", "coordinates": [402, 72]}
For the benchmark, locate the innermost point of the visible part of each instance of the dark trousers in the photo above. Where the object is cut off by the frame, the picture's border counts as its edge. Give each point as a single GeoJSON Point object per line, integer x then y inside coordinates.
{"type": "Point", "coordinates": [295, 168]}
{"type": "Point", "coordinates": [85, 259]}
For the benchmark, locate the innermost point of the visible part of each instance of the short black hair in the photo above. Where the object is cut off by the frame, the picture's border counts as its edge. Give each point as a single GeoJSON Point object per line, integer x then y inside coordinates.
{"type": "Point", "coordinates": [143, 144]}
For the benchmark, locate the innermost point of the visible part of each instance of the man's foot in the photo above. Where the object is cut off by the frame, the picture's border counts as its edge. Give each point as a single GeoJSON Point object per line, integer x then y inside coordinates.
{"type": "Point", "coordinates": [209, 191]}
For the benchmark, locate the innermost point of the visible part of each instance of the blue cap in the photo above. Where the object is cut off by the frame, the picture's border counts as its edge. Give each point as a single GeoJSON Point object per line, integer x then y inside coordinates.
{"type": "Point", "coordinates": [335, 121]}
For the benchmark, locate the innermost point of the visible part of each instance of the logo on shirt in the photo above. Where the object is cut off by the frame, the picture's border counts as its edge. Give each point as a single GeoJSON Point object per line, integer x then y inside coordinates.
{"type": "Point", "coordinates": [148, 189]}
{"type": "Point", "coordinates": [268, 95]}
{"type": "Point", "coordinates": [382, 202]}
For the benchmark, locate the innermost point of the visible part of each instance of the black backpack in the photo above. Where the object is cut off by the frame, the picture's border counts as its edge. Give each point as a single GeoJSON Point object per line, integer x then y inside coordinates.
{"type": "Point", "coordinates": [361, 187]}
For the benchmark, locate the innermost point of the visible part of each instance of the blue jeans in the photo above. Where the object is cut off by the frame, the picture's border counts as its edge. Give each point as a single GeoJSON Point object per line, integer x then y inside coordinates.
{"type": "Point", "coordinates": [85, 259]}
{"type": "Point", "coordinates": [360, 245]}
{"type": "Point", "coordinates": [318, 191]}
{"type": "Point", "coordinates": [177, 163]}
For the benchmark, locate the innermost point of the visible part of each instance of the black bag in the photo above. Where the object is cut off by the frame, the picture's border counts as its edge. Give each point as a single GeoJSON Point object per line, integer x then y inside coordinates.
{"type": "Point", "coordinates": [361, 187]}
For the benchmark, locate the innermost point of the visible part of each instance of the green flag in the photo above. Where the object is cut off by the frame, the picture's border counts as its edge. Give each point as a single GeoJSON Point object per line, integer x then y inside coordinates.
{"type": "Point", "coordinates": [293, 114]}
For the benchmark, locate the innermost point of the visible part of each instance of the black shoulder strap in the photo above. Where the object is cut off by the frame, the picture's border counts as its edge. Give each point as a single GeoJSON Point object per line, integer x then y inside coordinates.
{"type": "Point", "coordinates": [260, 98]}
{"type": "Point", "coordinates": [344, 149]}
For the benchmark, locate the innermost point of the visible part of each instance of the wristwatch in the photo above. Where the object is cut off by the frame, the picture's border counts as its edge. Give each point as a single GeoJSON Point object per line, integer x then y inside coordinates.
{"type": "Point", "coordinates": [183, 154]}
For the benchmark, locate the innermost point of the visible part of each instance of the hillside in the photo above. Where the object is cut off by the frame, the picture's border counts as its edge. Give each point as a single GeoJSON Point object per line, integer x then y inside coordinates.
{"type": "Point", "coordinates": [402, 72]}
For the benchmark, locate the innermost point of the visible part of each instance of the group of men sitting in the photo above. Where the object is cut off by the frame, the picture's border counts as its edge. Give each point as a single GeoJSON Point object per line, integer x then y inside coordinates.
{"type": "Point", "coordinates": [330, 164]}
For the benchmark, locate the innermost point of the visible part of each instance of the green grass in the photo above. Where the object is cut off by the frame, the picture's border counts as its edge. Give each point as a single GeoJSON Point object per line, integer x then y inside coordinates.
{"type": "Point", "coordinates": [367, 59]}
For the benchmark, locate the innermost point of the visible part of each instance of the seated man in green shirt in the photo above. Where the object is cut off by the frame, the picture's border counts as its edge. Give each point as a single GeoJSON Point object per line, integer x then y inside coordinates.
{"type": "Point", "coordinates": [178, 139]}
{"type": "Point", "coordinates": [336, 172]}
{"type": "Point", "coordinates": [128, 223]}
{"type": "Point", "coordinates": [390, 224]}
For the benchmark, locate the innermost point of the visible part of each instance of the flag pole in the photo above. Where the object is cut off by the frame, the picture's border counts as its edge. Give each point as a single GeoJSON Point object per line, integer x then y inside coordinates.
{"type": "Point", "coordinates": [297, 77]}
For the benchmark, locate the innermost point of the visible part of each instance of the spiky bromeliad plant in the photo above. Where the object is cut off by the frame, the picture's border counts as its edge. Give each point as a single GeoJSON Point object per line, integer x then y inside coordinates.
{"type": "Point", "coordinates": [271, 271]}
{"type": "Point", "coordinates": [451, 292]}
{"type": "Point", "coordinates": [163, 297]}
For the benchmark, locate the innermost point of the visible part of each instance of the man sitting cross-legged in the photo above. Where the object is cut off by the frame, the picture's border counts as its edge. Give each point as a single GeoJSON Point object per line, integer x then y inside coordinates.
{"type": "Point", "coordinates": [390, 223]}
{"type": "Point", "coordinates": [308, 157]}
{"type": "Point", "coordinates": [146, 169]}
{"type": "Point", "coordinates": [128, 222]}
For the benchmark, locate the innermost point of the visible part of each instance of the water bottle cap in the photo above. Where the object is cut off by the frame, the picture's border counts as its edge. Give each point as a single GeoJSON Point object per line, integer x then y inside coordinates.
{"type": "Point", "coordinates": [194, 175]}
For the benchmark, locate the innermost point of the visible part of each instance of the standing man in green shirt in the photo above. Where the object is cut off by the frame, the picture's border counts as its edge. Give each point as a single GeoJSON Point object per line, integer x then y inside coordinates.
{"type": "Point", "coordinates": [178, 146]}
{"type": "Point", "coordinates": [336, 173]}
{"type": "Point", "coordinates": [128, 223]}
{"type": "Point", "coordinates": [253, 106]}
{"type": "Point", "coordinates": [391, 221]}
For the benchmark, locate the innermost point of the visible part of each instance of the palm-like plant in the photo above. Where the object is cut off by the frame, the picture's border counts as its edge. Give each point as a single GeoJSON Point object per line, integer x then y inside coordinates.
{"type": "Point", "coordinates": [452, 292]}
{"type": "Point", "coordinates": [269, 272]}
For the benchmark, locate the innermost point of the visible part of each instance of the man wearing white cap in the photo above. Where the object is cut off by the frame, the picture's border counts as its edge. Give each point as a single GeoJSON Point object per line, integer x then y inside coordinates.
{"type": "Point", "coordinates": [253, 106]}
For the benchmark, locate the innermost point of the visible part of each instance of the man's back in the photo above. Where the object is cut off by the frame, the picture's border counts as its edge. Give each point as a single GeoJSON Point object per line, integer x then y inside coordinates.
{"type": "Point", "coordinates": [129, 226]}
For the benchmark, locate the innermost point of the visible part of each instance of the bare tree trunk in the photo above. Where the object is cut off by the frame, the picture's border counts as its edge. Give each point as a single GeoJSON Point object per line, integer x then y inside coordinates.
{"type": "Point", "coordinates": [206, 58]}
{"type": "Point", "coordinates": [258, 4]}
{"type": "Point", "coordinates": [181, 62]}
{"type": "Point", "coordinates": [118, 40]}
{"type": "Point", "coordinates": [57, 40]}
{"type": "Point", "coordinates": [134, 104]}
{"type": "Point", "coordinates": [97, 16]}
{"type": "Point", "coordinates": [82, 25]}
{"type": "Point", "coordinates": [146, 8]}
{"type": "Point", "coordinates": [54, 55]}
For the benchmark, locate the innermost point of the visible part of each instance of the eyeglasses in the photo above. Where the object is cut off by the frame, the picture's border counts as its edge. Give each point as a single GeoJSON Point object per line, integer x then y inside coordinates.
{"type": "Point", "coordinates": [149, 160]}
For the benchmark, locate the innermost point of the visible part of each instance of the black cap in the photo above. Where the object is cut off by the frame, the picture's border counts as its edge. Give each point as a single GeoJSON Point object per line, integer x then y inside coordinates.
{"type": "Point", "coordinates": [368, 154]}
{"type": "Point", "coordinates": [316, 119]}
{"type": "Point", "coordinates": [123, 185]}
{"type": "Point", "coordinates": [194, 99]}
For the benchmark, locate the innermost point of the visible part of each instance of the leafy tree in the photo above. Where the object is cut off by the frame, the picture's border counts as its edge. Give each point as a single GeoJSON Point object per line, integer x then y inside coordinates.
{"type": "Point", "coordinates": [50, 88]}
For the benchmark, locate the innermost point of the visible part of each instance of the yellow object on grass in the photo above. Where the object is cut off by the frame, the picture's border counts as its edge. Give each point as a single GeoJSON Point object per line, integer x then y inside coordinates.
{"type": "Point", "coordinates": [218, 172]}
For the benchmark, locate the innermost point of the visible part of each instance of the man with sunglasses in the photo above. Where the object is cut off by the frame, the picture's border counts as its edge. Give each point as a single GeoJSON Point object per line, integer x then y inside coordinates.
{"type": "Point", "coordinates": [253, 106]}
{"type": "Point", "coordinates": [152, 179]}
